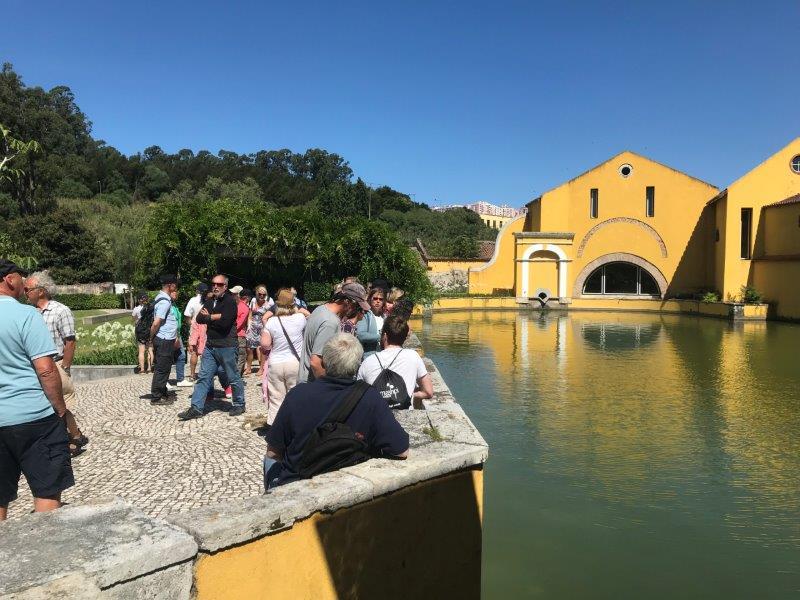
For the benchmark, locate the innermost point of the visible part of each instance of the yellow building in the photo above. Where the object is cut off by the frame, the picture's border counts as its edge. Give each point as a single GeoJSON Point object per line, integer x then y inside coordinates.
{"type": "Point", "coordinates": [495, 221]}
{"type": "Point", "coordinates": [632, 232]}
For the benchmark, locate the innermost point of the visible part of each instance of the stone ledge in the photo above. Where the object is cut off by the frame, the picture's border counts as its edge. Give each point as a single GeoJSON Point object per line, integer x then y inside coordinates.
{"type": "Point", "coordinates": [105, 543]}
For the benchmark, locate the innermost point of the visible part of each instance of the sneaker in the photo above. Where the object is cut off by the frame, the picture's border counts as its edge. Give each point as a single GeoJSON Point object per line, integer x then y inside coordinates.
{"type": "Point", "coordinates": [236, 411]}
{"type": "Point", "coordinates": [172, 388]}
{"type": "Point", "coordinates": [185, 383]}
{"type": "Point", "coordinates": [189, 414]}
{"type": "Point", "coordinates": [229, 392]}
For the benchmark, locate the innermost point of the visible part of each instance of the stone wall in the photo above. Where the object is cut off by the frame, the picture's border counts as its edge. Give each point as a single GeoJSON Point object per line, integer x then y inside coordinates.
{"type": "Point", "coordinates": [455, 280]}
{"type": "Point", "coordinates": [85, 288]}
{"type": "Point", "coordinates": [384, 528]}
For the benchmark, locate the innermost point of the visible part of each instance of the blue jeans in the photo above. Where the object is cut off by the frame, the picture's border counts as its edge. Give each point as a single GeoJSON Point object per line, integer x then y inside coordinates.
{"type": "Point", "coordinates": [271, 469]}
{"type": "Point", "coordinates": [180, 363]}
{"type": "Point", "coordinates": [214, 360]}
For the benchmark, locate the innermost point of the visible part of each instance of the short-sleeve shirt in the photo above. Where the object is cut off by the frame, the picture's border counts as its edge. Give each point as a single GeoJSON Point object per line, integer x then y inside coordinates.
{"type": "Point", "coordinates": [193, 306]}
{"type": "Point", "coordinates": [24, 337]}
{"type": "Point", "coordinates": [136, 313]}
{"type": "Point", "coordinates": [322, 325]}
{"type": "Point", "coordinates": [295, 325]}
{"type": "Point", "coordinates": [162, 309]}
{"type": "Point", "coordinates": [306, 406]}
{"type": "Point", "coordinates": [405, 362]}
{"type": "Point", "coordinates": [60, 323]}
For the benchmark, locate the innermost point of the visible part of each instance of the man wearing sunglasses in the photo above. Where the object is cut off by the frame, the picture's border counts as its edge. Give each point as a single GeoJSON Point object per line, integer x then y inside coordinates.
{"type": "Point", "coordinates": [349, 302]}
{"type": "Point", "coordinates": [219, 314]}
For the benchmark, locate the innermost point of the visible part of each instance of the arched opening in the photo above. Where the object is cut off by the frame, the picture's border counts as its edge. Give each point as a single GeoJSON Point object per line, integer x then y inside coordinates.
{"type": "Point", "coordinates": [620, 279]}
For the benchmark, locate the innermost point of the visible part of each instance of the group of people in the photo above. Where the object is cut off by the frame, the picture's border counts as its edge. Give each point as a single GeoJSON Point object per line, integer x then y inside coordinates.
{"type": "Point", "coordinates": [337, 371]}
{"type": "Point", "coordinates": [39, 435]}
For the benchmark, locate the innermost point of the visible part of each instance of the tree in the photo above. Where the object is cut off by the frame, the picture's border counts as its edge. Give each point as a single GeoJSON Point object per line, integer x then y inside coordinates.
{"type": "Point", "coordinates": [154, 183]}
{"type": "Point", "coordinates": [12, 151]}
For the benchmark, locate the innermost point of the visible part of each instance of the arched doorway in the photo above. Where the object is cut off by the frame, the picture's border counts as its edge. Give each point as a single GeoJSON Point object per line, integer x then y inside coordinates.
{"type": "Point", "coordinates": [544, 267]}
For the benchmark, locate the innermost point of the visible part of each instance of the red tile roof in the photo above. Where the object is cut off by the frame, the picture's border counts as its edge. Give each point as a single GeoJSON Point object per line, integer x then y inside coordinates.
{"type": "Point", "coordinates": [485, 250]}
{"type": "Point", "coordinates": [790, 200]}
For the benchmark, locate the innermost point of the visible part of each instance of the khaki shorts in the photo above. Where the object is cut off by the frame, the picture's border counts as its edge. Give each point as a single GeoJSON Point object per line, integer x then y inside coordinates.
{"type": "Point", "coordinates": [66, 387]}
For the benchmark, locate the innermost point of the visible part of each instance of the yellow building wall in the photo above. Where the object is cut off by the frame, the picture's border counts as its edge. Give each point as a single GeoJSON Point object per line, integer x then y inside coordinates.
{"type": "Point", "coordinates": [779, 282]}
{"type": "Point", "coordinates": [679, 202]}
{"type": "Point", "coordinates": [771, 181]}
{"type": "Point", "coordinates": [720, 214]}
{"type": "Point", "coordinates": [443, 266]}
{"type": "Point", "coordinates": [421, 542]}
{"type": "Point", "coordinates": [498, 273]}
{"type": "Point", "coordinates": [543, 275]}
{"type": "Point", "coordinates": [495, 222]}
{"type": "Point", "coordinates": [782, 230]}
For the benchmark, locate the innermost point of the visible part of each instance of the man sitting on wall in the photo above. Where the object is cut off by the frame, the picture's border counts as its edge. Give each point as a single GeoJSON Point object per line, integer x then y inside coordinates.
{"type": "Point", "coordinates": [293, 441]}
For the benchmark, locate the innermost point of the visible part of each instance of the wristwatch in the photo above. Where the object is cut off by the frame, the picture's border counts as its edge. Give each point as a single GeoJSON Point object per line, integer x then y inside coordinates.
{"type": "Point", "coordinates": [67, 369]}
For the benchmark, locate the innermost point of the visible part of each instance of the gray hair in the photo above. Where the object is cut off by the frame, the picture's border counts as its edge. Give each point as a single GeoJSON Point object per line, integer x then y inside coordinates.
{"type": "Point", "coordinates": [44, 281]}
{"type": "Point", "coordinates": [342, 355]}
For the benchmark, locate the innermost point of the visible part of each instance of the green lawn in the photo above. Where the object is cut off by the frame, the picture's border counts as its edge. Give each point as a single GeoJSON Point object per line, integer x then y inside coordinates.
{"type": "Point", "coordinates": [79, 314]}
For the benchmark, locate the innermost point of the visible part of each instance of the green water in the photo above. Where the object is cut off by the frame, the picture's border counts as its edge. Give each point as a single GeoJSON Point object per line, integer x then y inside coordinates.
{"type": "Point", "coordinates": [631, 456]}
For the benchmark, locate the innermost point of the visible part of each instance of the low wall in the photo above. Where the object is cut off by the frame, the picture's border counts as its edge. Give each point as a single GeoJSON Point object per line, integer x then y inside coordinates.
{"type": "Point", "coordinates": [84, 288]}
{"type": "Point", "coordinates": [384, 528]}
{"type": "Point", "coordinates": [110, 315]}
{"type": "Point", "coordinates": [734, 311]}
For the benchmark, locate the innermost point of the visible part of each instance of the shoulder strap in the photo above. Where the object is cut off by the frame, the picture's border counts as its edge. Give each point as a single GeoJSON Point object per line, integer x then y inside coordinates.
{"type": "Point", "coordinates": [348, 404]}
{"type": "Point", "coordinates": [288, 339]}
{"type": "Point", "coordinates": [394, 359]}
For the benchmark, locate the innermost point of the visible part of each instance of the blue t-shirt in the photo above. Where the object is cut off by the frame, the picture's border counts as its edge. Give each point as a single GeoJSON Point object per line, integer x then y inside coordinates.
{"type": "Point", "coordinates": [162, 308]}
{"type": "Point", "coordinates": [23, 338]}
{"type": "Point", "coordinates": [306, 406]}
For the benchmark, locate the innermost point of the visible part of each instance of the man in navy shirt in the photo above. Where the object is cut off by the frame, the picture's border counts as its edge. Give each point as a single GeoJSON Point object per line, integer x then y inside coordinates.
{"type": "Point", "coordinates": [308, 404]}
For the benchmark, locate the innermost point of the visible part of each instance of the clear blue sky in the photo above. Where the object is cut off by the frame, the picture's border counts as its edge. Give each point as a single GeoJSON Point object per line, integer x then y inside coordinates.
{"type": "Point", "coordinates": [449, 101]}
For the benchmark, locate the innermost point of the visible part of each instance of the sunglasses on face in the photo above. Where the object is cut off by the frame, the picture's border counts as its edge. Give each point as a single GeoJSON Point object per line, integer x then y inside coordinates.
{"type": "Point", "coordinates": [260, 294]}
{"type": "Point", "coordinates": [218, 283]}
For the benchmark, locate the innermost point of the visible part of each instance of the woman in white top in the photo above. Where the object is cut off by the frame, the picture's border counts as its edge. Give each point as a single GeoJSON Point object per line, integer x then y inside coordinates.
{"type": "Point", "coordinates": [282, 337]}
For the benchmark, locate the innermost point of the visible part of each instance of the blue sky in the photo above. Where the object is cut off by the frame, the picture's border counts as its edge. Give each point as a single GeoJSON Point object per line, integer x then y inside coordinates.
{"type": "Point", "coordinates": [452, 102]}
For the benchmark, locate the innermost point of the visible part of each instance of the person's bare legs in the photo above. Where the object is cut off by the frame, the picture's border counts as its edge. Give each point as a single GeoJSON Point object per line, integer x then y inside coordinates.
{"type": "Point", "coordinates": [150, 357]}
{"type": "Point", "coordinates": [47, 504]}
{"type": "Point", "coordinates": [141, 359]}
{"type": "Point", "coordinates": [3, 512]}
{"type": "Point", "coordinates": [193, 356]}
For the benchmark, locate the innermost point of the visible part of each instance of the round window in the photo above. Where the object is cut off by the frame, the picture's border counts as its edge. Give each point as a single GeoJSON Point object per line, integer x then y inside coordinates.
{"type": "Point", "coordinates": [625, 170]}
{"type": "Point", "coordinates": [796, 164]}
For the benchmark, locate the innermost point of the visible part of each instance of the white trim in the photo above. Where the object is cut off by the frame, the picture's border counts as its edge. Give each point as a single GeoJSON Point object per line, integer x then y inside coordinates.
{"type": "Point", "coordinates": [496, 252]}
{"type": "Point", "coordinates": [562, 267]}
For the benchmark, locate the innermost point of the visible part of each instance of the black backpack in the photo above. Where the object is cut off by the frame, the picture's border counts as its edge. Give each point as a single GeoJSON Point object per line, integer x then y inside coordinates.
{"type": "Point", "coordinates": [391, 386]}
{"type": "Point", "coordinates": [145, 322]}
{"type": "Point", "coordinates": [333, 445]}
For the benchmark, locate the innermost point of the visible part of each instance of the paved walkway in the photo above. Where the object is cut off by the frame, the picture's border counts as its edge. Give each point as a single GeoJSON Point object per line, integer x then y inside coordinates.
{"type": "Point", "coordinates": [144, 455]}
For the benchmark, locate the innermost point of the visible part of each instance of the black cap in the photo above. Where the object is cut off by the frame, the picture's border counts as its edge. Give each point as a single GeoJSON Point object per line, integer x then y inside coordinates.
{"type": "Point", "coordinates": [246, 292]}
{"type": "Point", "coordinates": [202, 288]}
{"type": "Point", "coordinates": [7, 267]}
{"type": "Point", "coordinates": [169, 278]}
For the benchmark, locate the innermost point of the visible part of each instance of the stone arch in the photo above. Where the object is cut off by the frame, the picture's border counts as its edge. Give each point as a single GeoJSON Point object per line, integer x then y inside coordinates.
{"type": "Point", "coordinates": [562, 267]}
{"type": "Point", "coordinates": [655, 273]}
{"type": "Point", "coordinates": [659, 240]}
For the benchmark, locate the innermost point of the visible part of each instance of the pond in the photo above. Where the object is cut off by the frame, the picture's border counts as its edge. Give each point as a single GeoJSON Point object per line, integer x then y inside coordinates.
{"type": "Point", "coordinates": [631, 455]}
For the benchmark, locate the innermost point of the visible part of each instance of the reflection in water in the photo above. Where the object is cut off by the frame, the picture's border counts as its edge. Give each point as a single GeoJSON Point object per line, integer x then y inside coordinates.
{"type": "Point", "coordinates": [658, 453]}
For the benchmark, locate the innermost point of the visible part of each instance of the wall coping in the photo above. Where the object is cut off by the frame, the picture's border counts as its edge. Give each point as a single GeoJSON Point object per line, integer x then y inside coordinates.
{"type": "Point", "coordinates": [83, 550]}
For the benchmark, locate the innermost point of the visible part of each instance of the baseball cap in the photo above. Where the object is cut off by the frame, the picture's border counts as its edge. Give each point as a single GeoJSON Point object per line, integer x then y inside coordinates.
{"type": "Point", "coordinates": [202, 288]}
{"type": "Point", "coordinates": [7, 267]}
{"type": "Point", "coordinates": [169, 278]}
{"type": "Point", "coordinates": [356, 293]}
{"type": "Point", "coordinates": [246, 292]}
{"type": "Point", "coordinates": [236, 289]}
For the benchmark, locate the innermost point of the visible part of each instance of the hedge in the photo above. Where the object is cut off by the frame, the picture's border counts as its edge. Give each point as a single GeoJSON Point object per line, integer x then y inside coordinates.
{"type": "Point", "coordinates": [127, 355]}
{"type": "Point", "coordinates": [91, 301]}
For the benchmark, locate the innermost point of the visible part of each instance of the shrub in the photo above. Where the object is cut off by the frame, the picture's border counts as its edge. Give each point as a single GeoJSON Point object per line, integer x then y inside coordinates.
{"type": "Point", "coordinates": [124, 355]}
{"type": "Point", "coordinates": [709, 297]}
{"type": "Point", "coordinates": [90, 301]}
{"type": "Point", "coordinates": [316, 290]}
{"type": "Point", "coordinates": [750, 295]}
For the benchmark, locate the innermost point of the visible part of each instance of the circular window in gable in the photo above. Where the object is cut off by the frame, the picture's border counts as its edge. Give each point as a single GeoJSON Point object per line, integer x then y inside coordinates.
{"type": "Point", "coordinates": [795, 164]}
{"type": "Point", "coordinates": [625, 170]}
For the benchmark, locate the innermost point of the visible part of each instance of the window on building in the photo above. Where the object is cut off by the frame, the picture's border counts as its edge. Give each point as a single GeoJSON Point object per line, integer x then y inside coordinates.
{"type": "Point", "coordinates": [796, 164]}
{"type": "Point", "coordinates": [650, 201]}
{"type": "Point", "coordinates": [747, 231]}
{"type": "Point", "coordinates": [594, 201]}
{"type": "Point", "coordinates": [621, 278]}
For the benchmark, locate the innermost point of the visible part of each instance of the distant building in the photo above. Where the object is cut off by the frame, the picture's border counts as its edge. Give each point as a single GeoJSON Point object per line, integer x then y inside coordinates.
{"type": "Point", "coordinates": [494, 216]}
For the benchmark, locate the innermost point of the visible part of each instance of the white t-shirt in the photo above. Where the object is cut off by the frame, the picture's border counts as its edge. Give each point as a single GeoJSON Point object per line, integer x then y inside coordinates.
{"type": "Point", "coordinates": [136, 313]}
{"type": "Point", "coordinates": [193, 306]}
{"type": "Point", "coordinates": [295, 326]}
{"type": "Point", "coordinates": [408, 365]}
{"type": "Point", "coordinates": [379, 323]}
{"type": "Point", "coordinates": [254, 303]}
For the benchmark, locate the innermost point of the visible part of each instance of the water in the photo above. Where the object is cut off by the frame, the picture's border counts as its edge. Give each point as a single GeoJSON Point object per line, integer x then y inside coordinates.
{"type": "Point", "coordinates": [631, 456]}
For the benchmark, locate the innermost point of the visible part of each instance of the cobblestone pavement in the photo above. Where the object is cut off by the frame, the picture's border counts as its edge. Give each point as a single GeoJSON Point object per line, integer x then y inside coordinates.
{"type": "Point", "coordinates": [144, 455]}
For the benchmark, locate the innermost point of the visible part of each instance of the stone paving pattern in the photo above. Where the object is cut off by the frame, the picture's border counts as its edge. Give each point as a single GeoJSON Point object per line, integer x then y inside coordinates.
{"type": "Point", "coordinates": [144, 455]}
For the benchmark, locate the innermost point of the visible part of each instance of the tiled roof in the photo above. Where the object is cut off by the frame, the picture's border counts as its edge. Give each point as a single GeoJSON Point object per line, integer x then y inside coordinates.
{"type": "Point", "coordinates": [790, 200]}
{"type": "Point", "coordinates": [485, 250]}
